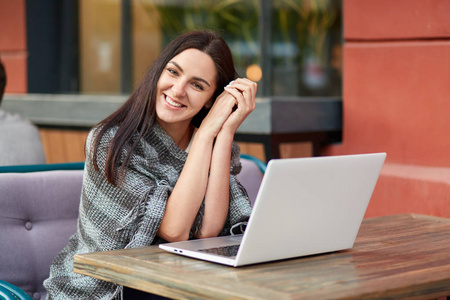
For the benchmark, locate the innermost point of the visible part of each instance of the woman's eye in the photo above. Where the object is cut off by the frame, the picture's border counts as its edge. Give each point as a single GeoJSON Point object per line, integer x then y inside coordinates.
{"type": "Point", "coordinates": [198, 86]}
{"type": "Point", "coordinates": [172, 71]}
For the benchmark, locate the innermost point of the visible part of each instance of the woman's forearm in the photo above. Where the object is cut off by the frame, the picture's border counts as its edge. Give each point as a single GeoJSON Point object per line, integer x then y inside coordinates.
{"type": "Point", "coordinates": [218, 188]}
{"type": "Point", "coordinates": [187, 196]}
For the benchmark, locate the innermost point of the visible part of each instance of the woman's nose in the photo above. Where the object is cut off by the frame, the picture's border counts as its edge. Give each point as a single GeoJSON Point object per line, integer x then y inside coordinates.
{"type": "Point", "coordinates": [179, 88]}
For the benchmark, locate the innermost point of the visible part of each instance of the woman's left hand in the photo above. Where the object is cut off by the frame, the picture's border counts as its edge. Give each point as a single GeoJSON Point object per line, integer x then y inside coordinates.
{"type": "Point", "coordinates": [244, 91]}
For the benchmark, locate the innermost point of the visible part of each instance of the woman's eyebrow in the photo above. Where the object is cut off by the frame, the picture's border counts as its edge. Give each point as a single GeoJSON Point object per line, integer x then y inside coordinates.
{"type": "Point", "coordinates": [195, 78]}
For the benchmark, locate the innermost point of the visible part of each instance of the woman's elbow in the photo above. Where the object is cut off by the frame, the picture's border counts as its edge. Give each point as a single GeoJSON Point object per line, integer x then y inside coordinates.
{"type": "Point", "coordinates": [173, 236]}
{"type": "Point", "coordinates": [204, 234]}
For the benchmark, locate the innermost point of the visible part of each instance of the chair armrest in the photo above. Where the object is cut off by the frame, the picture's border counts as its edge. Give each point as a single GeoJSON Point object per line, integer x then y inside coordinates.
{"type": "Point", "coordinates": [261, 165]}
{"type": "Point", "coordinates": [9, 291]}
{"type": "Point", "coordinates": [43, 167]}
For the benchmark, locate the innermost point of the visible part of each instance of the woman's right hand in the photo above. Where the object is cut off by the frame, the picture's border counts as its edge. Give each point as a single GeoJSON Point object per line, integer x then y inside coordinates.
{"type": "Point", "coordinates": [232, 106]}
{"type": "Point", "coordinates": [244, 91]}
{"type": "Point", "coordinates": [218, 114]}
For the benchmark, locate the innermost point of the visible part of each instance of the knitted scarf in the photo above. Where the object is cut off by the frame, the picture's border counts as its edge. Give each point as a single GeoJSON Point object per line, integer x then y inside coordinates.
{"type": "Point", "coordinates": [128, 215]}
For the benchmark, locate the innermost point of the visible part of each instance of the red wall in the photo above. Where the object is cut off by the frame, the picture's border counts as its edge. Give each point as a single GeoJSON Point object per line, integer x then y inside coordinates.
{"type": "Point", "coordinates": [13, 48]}
{"type": "Point", "coordinates": [396, 98]}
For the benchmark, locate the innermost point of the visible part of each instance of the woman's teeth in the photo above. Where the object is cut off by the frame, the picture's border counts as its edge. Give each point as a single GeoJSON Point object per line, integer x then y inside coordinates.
{"type": "Point", "coordinates": [173, 103]}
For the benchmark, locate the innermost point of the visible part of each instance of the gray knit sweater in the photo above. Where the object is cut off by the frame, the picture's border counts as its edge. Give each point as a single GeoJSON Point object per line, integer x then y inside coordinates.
{"type": "Point", "coordinates": [129, 215]}
{"type": "Point", "coordinates": [20, 142]}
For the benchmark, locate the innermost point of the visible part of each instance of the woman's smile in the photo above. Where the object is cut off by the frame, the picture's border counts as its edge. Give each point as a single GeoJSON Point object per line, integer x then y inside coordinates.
{"type": "Point", "coordinates": [172, 103]}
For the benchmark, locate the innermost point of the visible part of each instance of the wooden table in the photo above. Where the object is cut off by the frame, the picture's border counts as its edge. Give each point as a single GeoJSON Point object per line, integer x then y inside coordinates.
{"type": "Point", "coordinates": [402, 256]}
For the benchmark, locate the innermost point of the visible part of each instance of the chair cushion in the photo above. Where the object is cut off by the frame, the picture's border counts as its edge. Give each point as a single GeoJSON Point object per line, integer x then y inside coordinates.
{"type": "Point", "coordinates": [250, 177]}
{"type": "Point", "coordinates": [38, 215]}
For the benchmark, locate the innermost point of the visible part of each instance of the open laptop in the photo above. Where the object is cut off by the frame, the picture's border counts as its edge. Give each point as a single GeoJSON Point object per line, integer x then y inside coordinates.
{"type": "Point", "coordinates": [304, 206]}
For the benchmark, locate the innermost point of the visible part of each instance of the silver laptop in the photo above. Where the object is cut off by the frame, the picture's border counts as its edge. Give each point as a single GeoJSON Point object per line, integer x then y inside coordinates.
{"type": "Point", "coordinates": [304, 206]}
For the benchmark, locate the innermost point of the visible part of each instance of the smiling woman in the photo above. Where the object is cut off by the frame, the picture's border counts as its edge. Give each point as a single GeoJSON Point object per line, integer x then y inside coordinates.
{"type": "Point", "coordinates": [163, 166]}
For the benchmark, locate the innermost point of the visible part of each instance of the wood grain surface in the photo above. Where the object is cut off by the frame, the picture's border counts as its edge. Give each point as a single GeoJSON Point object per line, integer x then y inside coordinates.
{"type": "Point", "coordinates": [395, 257]}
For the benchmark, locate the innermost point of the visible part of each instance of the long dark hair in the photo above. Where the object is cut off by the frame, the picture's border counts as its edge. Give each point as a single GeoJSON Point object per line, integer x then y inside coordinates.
{"type": "Point", "coordinates": [138, 113]}
{"type": "Point", "coordinates": [2, 81]}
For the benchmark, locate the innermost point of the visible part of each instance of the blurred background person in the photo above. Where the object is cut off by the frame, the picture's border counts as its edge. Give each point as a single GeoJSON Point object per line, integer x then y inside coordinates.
{"type": "Point", "coordinates": [20, 142]}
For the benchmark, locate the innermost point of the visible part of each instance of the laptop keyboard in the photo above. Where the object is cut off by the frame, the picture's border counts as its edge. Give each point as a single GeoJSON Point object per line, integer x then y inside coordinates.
{"type": "Point", "coordinates": [227, 251]}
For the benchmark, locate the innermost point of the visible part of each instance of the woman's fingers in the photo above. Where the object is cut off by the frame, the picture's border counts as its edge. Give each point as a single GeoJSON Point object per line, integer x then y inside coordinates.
{"type": "Point", "coordinates": [232, 106]}
{"type": "Point", "coordinates": [236, 94]}
{"type": "Point", "coordinates": [219, 113]}
{"type": "Point", "coordinates": [244, 93]}
{"type": "Point", "coordinates": [245, 88]}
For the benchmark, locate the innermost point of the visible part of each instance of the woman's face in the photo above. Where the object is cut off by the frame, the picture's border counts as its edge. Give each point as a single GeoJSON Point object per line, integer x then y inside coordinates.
{"type": "Point", "coordinates": [186, 84]}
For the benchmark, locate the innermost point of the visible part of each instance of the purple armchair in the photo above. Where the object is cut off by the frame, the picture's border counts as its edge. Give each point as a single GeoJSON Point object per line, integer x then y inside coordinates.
{"type": "Point", "coordinates": [38, 214]}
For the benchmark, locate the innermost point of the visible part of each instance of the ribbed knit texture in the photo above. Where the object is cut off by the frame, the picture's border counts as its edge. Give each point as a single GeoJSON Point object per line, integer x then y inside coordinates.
{"type": "Point", "coordinates": [127, 216]}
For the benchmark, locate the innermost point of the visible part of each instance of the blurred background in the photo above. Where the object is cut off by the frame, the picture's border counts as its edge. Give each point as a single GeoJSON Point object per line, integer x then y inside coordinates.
{"type": "Point", "coordinates": [334, 77]}
{"type": "Point", "coordinates": [104, 46]}
{"type": "Point", "coordinates": [78, 47]}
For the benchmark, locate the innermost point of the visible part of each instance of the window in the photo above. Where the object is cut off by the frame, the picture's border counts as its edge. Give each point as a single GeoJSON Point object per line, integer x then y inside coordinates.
{"type": "Point", "coordinates": [292, 47]}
